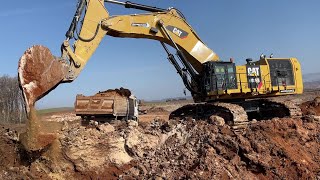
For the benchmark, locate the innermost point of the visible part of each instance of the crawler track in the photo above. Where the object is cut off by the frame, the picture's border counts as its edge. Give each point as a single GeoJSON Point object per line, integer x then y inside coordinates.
{"type": "Point", "coordinates": [239, 115]}
{"type": "Point", "coordinates": [233, 114]}
{"type": "Point", "coordinates": [290, 107]}
{"type": "Point", "coordinates": [240, 118]}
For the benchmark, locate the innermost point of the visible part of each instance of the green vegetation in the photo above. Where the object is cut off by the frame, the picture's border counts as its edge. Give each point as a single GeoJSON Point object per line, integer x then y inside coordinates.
{"type": "Point", "coordinates": [54, 110]}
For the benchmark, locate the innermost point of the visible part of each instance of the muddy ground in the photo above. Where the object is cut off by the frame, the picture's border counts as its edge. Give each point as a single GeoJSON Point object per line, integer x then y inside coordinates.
{"type": "Point", "coordinates": [160, 149]}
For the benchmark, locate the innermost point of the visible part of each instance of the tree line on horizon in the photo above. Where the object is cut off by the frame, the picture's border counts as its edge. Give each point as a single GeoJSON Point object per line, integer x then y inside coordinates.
{"type": "Point", "coordinates": [12, 107]}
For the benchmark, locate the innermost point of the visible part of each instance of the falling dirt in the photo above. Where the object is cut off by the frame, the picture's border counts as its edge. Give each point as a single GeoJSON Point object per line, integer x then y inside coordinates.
{"type": "Point", "coordinates": [33, 139]}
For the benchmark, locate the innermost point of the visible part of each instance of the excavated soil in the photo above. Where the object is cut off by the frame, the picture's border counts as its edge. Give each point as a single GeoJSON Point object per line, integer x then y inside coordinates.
{"type": "Point", "coordinates": [277, 149]}
{"type": "Point", "coordinates": [311, 107]}
{"type": "Point", "coordinates": [281, 148]}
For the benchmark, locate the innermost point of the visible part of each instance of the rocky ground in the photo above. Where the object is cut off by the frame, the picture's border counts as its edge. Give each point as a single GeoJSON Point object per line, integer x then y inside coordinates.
{"type": "Point", "coordinates": [160, 149]}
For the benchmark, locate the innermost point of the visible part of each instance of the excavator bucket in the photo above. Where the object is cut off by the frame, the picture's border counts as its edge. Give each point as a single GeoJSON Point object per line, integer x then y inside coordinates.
{"type": "Point", "coordinates": [39, 73]}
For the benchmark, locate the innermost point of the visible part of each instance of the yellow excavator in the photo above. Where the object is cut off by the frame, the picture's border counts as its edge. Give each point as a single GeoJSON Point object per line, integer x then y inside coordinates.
{"type": "Point", "coordinates": [236, 93]}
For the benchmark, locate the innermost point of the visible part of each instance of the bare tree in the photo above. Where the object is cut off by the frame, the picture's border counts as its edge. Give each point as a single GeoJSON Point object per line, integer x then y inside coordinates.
{"type": "Point", "coordinates": [12, 107]}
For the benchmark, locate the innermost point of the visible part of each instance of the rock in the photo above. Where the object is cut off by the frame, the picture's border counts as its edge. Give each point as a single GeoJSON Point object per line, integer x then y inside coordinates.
{"type": "Point", "coordinates": [132, 123]}
{"type": "Point", "coordinates": [135, 171]}
{"type": "Point", "coordinates": [316, 101]}
{"type": "Point", "coordinates": [65, 126]}
{"type": "Point", "coordinates": [216, 120]}
{"type": "Point", "coordinates": [139, 143]}
{"type": "Point", "coordinates": [94, 123]}
{"type": "Point", "coordinates": [106, 128]}
{"type": "Point", "coordinates": [118, 154]}
{"type": "Point", "coordinates": [316, 118]}
{"type": "Point", "coordinates": [12, 135]}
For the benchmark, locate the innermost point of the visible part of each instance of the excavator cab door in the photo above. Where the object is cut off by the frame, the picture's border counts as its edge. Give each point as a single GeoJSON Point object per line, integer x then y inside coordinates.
{"type": "Point", "coordinates": [281, 72]}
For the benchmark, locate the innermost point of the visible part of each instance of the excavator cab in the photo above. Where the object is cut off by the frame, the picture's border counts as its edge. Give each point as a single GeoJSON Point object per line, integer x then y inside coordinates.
{"type": "Point", "coordinates": [219, 76]}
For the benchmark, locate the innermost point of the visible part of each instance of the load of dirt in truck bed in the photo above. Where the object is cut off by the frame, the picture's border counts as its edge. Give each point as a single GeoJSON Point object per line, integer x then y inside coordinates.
{"type": "Point", "coordinates": [277, 148]}
{"type": "Point", "coordinates": [113, 92]}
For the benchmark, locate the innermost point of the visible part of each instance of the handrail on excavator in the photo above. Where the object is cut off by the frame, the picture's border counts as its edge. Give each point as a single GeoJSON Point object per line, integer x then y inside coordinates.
{"type": "Point", "coordinates": [129, 4]}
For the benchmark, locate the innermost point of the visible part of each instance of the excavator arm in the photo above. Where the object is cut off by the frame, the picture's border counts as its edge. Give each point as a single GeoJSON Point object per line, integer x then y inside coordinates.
{"type": "Point", "coordinates": [91, 23]}
{"type": "Point", "coordinates": [166, 26]}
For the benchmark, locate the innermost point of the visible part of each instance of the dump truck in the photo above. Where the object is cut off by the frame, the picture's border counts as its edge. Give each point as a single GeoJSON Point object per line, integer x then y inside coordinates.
{"type": "Point", "coordinates": [112, 104]}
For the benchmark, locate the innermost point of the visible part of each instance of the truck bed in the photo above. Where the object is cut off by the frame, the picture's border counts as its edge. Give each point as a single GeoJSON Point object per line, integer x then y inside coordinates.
{"type": "Point", "coordinates": [101, 105]}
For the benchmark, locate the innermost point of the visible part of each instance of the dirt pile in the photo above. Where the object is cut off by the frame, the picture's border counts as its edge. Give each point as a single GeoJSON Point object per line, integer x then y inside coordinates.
{"type": "Point", "coordinates": [11, 166]}
{"type": "Point", "coordinates": [311, 110]}
{"type": "Point", "coordinates": [62, 117]}
{"type": "Point", "coordinates": [156, 110]}
{"type": "Point", "coordinates": [311, 107]}
{"type": "Point", "coordinates": [279, 148]}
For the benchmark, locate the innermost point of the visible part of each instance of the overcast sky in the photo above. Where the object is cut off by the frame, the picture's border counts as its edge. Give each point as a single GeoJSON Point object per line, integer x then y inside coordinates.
{"type": "Point", "coordinates": [232, 28]}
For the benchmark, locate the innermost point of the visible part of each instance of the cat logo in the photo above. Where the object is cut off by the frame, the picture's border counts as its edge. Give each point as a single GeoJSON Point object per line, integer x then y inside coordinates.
{"type": "Point", "coordinates": [253, 71]}
{"type": "Point", "coordinates": [254, 76]}
{"type": "Point", "coordinates": [179, 32]}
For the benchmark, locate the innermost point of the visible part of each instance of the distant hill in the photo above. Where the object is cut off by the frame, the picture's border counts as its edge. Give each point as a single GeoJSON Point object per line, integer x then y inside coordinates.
{"type": "Point", "coordinates": [311, 80]}
{"type": "Point", "coordinates": [311, 77]}
{"type": "Point", "coordinates": [55, 110]}
{"type": "Point", "coordinates": [312, 85]}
